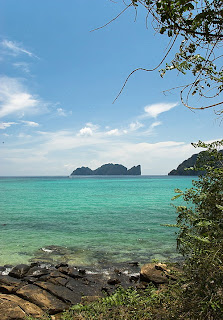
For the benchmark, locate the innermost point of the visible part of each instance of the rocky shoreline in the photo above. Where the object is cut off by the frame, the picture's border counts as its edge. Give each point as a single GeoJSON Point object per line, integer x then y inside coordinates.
{"type": "Point", "coordinates": [39, 288]}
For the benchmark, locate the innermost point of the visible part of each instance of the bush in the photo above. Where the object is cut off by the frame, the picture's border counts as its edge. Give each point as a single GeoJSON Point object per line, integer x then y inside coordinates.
{"type": "Point", "coordinates": [200, 237]}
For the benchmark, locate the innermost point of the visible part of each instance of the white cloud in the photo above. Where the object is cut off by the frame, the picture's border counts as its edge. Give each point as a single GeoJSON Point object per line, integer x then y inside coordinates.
{"type": "Point", "coordinates": [135, 126]}
{"type": "Point", "coordinates": [155, 124]}
{"type": "Point", "coordinates": [86, 132]}
{"type": "Point", "coordinates": [16, 48]}
{"type": "Point", "coordinates": [30, 123]}
{"type": "Point", "coordinates": [114, 132]}
{"type": "Point", "coordinates": [15, 99]}
{"type": "Point", "coordinates": [4, 125]}
{"type": "Point", "coordinates": [154, 110]}
{"type": "Point", "coordinates": [61, 112]}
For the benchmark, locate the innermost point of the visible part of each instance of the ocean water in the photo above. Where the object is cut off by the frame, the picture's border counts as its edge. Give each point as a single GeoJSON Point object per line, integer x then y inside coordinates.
{"type": "Point", "coordinates": [88, 220]}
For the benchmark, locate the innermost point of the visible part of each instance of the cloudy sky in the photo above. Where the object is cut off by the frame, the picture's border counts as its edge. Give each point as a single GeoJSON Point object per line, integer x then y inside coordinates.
{"type": "Point", "coordinates": [58, 81]}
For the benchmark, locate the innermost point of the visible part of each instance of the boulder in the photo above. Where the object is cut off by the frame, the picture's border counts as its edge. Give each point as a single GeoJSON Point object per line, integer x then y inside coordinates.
{"type": "Point", "coordinates": [13, 307]}
{"type": "Point", "coordinates": [155, 273]}
{"type": "Point", "coordinates": [41, 298]}
{"type": "Point", "coordinates": [9, 284]}
{"type": "Point", "coordinates": [37, 272]}
{"type": "Point", "coordinates": [19, 271]}
{"type": "Point", "coordinates": [60, 292]}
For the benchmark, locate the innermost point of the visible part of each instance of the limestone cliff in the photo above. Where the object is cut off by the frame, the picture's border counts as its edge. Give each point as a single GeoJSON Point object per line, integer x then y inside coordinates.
{"type": "Point", "coordinates": [108, 170]}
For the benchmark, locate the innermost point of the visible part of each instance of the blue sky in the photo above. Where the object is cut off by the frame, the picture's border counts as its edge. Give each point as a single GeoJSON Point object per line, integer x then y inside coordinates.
{"type": "Point", "coordinates": [58, 81]}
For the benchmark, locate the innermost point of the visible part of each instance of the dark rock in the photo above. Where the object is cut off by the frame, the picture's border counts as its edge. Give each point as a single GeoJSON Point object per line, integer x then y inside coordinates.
{"type": "Point", "coordinates": [108, 169]}
{"type": "Point", "coordinates": [82, 271]}
{"type": "Point", "coordinates": [58, 281]}
{"type": "Point", "coordinates": [15, 308]}
{"type": "Point", "coordinates": [38, 272]}
{"type": "Point", "coordinates": [9, 284]}
{"type": "Point", "coordinates": [60, 265]}
{"type": "Point", "coordinates": [72, 272]}
{"type": "Point", "coordinates": [133, 278]}
{"type": "Point", "coordinates": [113, 281]}
{"type": "Point", "coordinates": [41, 298]}
{"type": "Point", "coordinates": [19, 271]}
{"type": "Point", "coordinates": [134, 264]}
{"type": "Point", "coordinates": [84, 287]}
{"type": "Point", "coordinates": [61, 292]}
{"type": "Point", "coordinates": [8, 266]}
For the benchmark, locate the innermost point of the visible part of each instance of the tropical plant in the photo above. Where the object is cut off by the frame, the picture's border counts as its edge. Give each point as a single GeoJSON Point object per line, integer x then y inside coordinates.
{"type": "Point", "coordinates": [200, 237]}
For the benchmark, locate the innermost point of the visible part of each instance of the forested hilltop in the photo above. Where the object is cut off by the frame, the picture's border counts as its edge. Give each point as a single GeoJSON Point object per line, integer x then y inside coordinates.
{"type": "Point", "coordinates": [186, 164]}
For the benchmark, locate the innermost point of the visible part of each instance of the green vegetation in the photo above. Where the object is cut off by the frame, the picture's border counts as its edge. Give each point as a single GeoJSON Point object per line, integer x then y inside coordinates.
{"type": "Point", "coordinates": [200, 237]}
{"type": "Point", "coordinates": [130, 304]}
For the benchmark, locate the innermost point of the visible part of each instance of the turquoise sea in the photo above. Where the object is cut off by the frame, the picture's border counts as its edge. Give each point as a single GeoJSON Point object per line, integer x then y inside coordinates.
{"type": "Point", "coordinates": [88, 220]}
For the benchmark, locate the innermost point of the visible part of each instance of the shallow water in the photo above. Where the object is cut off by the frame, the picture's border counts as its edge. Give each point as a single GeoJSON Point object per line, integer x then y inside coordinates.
{"type": "Point", "coordinates": [87, 220]}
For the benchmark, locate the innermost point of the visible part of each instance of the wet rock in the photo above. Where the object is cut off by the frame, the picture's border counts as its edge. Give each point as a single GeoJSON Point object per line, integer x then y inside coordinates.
{"type": "Point", "coordinates": [37, 271]}
{"type": "Point", "coordinates": [134, 264]}
{"type": "Point", "coordinates": [84, 287]}
{"type": "Point", "coordinates": [13, 307]}
{"type": "Point", "coordinates": [9, 284]}
{"type": "Point", "coordinates": [58, 281]}
{"type": "Point", "coordinates": [19, 271]}
{"type": "Point", "coordinates": [8, 266]}
{"type": "Point", "coordinates": [72, 272]}
{"type": "Point", "coordinates": [2, 269]}
{"type": "Point", "coordinates": [113, 281]}
{"type": "Point", "coordinates": [134, 278]}
{"type": "Point", "coordinates": [60, 265]}
{"type": "Point", "coordinates": [41, 298]}
{"type": "Point", "coordinates": [82, 271]}
{"type": "Point", "coordinates": [63, 293]}
{"type": "Point", "coordinates": [154, 273]}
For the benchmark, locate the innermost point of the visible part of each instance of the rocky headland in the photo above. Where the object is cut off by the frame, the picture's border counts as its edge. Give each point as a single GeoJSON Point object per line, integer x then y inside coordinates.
{"type": "Point", "coordinates": [183, 168]}
{"type": "Point", "coordinates": [39, 288]}
{"type": "Point", "coordinates": [108, 170]}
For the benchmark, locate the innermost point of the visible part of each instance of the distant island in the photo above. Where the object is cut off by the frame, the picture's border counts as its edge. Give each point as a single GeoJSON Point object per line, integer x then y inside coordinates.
{"type": "Point", "coordinates": [190, 162]}
{"type": "Point", "coordinates": [108, 169]}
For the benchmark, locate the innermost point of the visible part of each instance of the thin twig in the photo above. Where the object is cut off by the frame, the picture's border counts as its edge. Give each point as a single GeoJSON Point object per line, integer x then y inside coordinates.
{"type": "Point", "coordinates": [112, 19]}
{"type": "Point", "coordinates": [144, 69]}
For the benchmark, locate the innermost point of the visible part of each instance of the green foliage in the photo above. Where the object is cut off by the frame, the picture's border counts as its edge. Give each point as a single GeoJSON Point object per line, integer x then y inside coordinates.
{"type": "Point", "coordinates": [200, 237]}
{"type": "Point", "coordinates": [199, 26]}
{"type": "Point", "coordinates": [129, 304]}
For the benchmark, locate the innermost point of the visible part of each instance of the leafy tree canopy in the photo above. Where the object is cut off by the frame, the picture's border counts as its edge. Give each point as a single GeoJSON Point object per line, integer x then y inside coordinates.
{"type": "Point", "coordinates": [198, 24]}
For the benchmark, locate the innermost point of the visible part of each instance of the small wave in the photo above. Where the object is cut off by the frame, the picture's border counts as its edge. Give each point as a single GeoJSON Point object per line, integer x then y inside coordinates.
{"type": "Point", "coordinates": [6, 271]}
{"type": "Point", "coordinates": [46, 250]}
